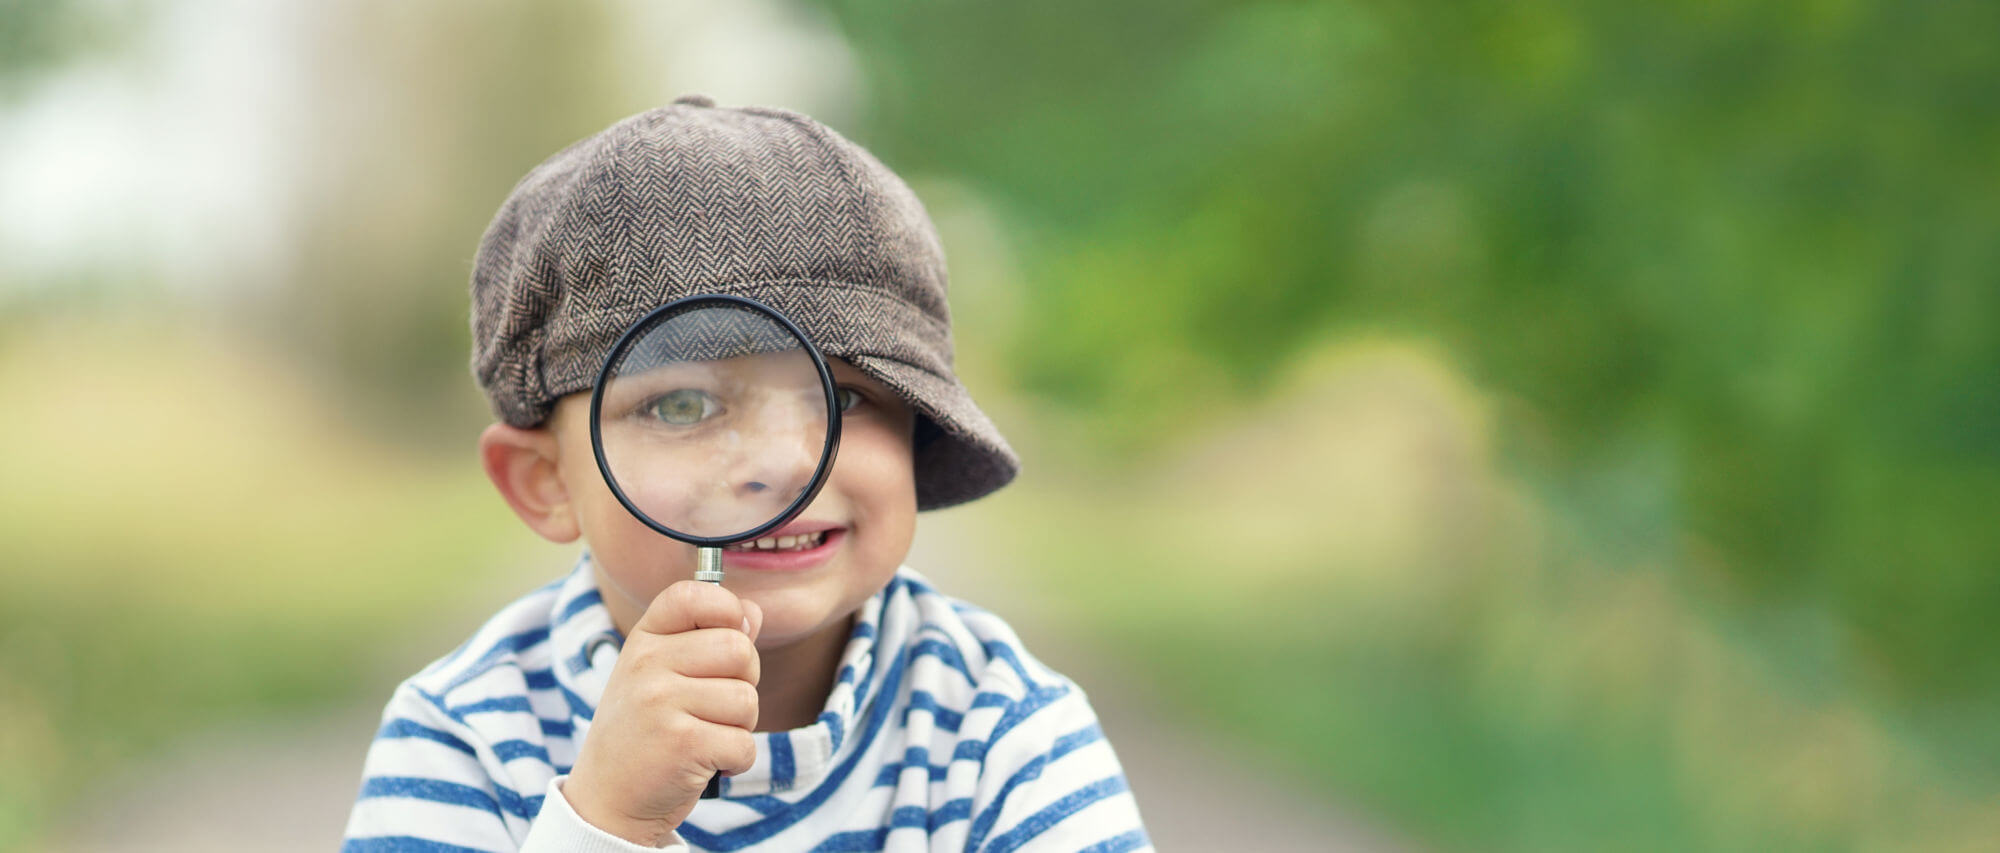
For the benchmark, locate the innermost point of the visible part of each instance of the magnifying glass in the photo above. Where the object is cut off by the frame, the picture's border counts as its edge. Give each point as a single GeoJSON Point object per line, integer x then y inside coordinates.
{"type": "Point", "coordinates": [714, 422]}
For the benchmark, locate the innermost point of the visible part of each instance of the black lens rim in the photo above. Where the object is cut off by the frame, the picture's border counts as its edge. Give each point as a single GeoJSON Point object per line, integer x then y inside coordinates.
{"type": "Point", "coordinates": [829, 448]}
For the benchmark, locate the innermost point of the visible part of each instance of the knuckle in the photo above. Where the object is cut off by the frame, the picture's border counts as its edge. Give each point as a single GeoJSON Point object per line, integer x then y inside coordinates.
{"type": "Point", "coordinates": [683, 595]}
{"type": "Point", "coordinates": [743, 700]}
{"type": "Point", "coordinates": [738, 645]}
{"type": "Point", "coordinates": [742, 747]}
{"type": "Point", "coordinates": [725, 649]}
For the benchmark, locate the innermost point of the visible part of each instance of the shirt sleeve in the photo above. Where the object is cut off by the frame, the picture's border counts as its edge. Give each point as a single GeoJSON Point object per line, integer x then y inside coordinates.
{"type": "Point", "coordinates": [559, 828]}
{"type": "Point", "coordinates": [430, 784]}
{"type": "Point", "coordinates": [1052, 782]}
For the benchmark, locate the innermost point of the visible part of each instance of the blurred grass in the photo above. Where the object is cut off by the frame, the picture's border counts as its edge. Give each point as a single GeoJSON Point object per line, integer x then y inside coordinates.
{"type": "Point", "coordinates": [194, 534]}
{"type": "Point", "coordinates": [1356, 593]}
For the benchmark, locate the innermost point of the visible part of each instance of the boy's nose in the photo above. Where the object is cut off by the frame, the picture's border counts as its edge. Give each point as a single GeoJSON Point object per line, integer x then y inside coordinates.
{"type": "Point", "coordinates": [776, 473]}
{"type": "Point", "coordinates": [780, 462]}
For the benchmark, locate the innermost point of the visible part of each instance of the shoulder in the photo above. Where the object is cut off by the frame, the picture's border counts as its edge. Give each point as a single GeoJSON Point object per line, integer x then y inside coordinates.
{"type": "Point", "coordinates": [505, 657]}
{"type": "Point", "coordinates": [1047, 774]}
{"type": "Point", "coordinates": [978, 643]}
{"type": "Point", "coordinates": [971, 663]}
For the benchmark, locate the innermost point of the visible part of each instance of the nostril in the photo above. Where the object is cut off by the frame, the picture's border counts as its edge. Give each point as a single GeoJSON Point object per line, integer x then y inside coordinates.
{"type": "Point", "coordinates": [754, 486]}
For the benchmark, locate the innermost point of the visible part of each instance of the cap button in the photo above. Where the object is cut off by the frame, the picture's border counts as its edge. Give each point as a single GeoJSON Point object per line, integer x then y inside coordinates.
{"type": "Point", "coordinates": [695, 100]}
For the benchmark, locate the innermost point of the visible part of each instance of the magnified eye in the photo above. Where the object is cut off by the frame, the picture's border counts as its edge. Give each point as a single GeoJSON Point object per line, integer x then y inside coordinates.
{"type": "Point", "coordinates": [683, 406]}
{"type": "Point", "coordinates": [848, 398]}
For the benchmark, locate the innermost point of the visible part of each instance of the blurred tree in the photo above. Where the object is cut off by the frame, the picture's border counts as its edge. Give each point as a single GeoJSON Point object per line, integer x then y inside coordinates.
{"type": "Point", "coordinates": [427, 116]}
{"type": "Point", "coordinates": [1757, 242]}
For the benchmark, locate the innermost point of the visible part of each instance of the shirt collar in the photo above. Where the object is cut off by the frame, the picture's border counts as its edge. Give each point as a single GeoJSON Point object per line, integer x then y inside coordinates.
{"type": "Point", "coordinates": [586, 643]}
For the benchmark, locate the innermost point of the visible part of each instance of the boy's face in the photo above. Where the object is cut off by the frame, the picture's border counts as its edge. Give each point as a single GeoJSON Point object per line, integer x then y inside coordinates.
{"type": "Point", "coordinates": [867, 511]}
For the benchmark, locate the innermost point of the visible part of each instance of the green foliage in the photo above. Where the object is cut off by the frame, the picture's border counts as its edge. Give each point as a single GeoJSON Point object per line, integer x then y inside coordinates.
{"type": "Point", "coordinates": [1756, 243]}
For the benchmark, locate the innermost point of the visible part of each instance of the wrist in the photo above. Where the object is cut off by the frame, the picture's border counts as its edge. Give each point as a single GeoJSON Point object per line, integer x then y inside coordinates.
{"type": "Point", "coordinates": [651, 832]}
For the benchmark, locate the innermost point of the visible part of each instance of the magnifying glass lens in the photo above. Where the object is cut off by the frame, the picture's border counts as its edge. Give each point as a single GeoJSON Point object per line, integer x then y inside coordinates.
{"type": "Point", "coordinates": [712, 421]}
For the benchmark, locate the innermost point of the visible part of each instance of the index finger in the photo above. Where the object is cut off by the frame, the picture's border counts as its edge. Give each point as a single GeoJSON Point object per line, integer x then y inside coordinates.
{"type": "Point", "coordinates": [688, 605]}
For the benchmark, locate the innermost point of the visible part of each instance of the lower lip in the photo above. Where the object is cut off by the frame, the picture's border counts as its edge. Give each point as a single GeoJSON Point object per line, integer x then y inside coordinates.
{"type": "Point", "coordinates": [785, 561]}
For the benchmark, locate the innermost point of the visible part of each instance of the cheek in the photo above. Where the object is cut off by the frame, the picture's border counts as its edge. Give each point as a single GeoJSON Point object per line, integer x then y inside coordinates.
{"type": "Point", "coordinates": [640, 560]}
{"type": "Point", "coordinates": [876, 476]}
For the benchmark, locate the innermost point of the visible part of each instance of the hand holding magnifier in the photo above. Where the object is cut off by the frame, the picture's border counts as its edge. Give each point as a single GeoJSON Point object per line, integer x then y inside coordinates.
{"type": "Point", "coordinates": [714, 421]}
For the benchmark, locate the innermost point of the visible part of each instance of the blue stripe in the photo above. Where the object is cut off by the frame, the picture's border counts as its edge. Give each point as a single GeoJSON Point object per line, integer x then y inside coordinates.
{"type": "Point", "coordinates": [539, 679]}
{"type": "Point", "coordinates": [1121, 843]}
{"type": "Point", "coordinates": [781, 762]}
{"type": "Point", "coordinates": [454, 794]}
{"type": "Point", "coordinates": [934, 647]}
{"type": "Point", "coordinates": [401, 728]}
{"type": "Point", "coordinates": [495, 705]}
{"type": "Point", "coordinates": [958, 809]}
{"type": "Point", "coordinates": [941, 717]}
{"type": "Point", "coordinates": [433, 790]}
{"type": "Point", "coordinates": [509, 750]}
{"type": "Point", "coordinates": [997, 649]}
{"type": "Point", "coordinates": [835, 726]}
{"type": "Point", "coordinates": [762, 803]}
{"type": "Point", "coordinates": [556, 728]}
{"type": "Point", "coordinates": [578, 605]}
{"type": "Point", "coordinates": [1043, 820]}
{"type": "Point", "coordinates": [915, 756]}
{"type": "Point", "coordinates": [402, 844]}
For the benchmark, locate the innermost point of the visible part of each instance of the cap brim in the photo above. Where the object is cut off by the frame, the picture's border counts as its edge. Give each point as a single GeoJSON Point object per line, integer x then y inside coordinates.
{"type": "Point", "coordinates": [968, 459]}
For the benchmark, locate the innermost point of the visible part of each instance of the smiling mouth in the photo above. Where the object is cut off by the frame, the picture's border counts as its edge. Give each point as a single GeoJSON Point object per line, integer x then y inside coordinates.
{"type": "Point", "coordinates": [801, 542]}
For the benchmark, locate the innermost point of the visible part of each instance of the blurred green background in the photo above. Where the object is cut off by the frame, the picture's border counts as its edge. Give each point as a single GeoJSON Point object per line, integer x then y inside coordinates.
{"type": "Point", "coordinates": [1538, 425]}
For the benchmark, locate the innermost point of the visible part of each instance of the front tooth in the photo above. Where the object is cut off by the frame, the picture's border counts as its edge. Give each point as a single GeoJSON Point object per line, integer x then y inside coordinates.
{"type": "Point", "coordinates": [786, 542]}
{"type": "Point", "coordinates": [767, 543]}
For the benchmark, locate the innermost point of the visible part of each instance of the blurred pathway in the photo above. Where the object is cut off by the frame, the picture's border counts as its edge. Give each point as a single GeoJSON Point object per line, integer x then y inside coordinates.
{"type": "Point", "coordinates": [287, 785]}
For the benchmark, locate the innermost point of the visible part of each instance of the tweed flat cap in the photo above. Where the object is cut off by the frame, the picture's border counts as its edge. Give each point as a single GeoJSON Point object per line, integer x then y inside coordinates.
{"type": "Point", "coordinates": [761, 202]}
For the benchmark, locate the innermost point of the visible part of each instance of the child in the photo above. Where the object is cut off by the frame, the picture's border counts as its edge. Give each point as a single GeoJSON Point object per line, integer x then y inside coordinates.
{"type": "Point", "coordinates": [849, 705]}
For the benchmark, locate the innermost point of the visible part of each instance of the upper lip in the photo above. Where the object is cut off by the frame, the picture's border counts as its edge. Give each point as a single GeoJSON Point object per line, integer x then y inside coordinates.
{"type": "Point", "coordinates": [800, 528]}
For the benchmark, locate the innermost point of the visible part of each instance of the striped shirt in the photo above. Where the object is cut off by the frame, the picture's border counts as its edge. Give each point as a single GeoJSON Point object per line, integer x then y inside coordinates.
{"type": "Point", "coordinates": [941, 733]}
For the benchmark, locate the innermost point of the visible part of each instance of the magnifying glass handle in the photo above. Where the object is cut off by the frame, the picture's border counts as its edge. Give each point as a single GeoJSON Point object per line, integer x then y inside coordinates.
{"type": "Point", "coordinates": [708, 569]}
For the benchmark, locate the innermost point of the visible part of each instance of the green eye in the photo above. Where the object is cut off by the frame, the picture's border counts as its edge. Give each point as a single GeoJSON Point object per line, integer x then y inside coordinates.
{"type": "Point", "coordinates": [848, 398]}
{"type": "Point", "coordinates": [683, 407]}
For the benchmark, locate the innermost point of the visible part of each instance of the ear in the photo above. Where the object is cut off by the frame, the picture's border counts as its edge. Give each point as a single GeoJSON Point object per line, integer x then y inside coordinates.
{"type": "Point", "coordinates": [522, 465]}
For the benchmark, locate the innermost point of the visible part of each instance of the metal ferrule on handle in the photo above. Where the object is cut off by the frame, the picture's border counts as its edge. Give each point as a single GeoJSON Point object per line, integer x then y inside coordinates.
{"type": "Point", "coordinates": [708, 565]}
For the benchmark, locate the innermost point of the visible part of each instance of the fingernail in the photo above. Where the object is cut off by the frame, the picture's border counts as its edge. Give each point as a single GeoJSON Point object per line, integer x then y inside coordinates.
{"type": "Point", "coordinates": [746, 624]}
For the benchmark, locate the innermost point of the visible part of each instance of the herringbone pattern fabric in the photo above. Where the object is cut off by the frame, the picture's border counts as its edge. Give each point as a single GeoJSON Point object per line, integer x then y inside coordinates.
{"type": "Point", "coordinates": [759, 202]}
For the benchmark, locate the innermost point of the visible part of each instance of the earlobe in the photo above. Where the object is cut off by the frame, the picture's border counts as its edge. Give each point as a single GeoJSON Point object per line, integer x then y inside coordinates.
{"type": "Point", "coordinates": [522, 465]}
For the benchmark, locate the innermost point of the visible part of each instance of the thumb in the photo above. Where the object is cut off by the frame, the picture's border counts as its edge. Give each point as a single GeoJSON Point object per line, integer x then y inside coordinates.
{"type": "Point", "coordinates": [753, 616]}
